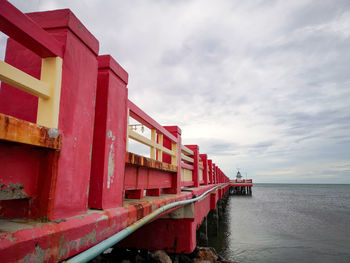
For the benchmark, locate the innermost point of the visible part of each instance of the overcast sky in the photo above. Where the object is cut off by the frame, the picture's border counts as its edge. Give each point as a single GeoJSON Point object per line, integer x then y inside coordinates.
{"type": "Point", "coordinates": [259, 85]}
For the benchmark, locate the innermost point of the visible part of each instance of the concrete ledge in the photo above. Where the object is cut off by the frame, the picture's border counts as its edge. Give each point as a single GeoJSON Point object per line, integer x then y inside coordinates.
{"type": "Point", "coordinates": [34, 241]}
{"type": "Point", "coordinates": [20, 131]}
{"type": "Point", "coordinates": [138, 160]}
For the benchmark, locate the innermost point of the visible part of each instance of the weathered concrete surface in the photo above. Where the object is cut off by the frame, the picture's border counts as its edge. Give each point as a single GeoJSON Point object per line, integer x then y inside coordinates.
{"type": "Point", "coordinates": [54, 241]}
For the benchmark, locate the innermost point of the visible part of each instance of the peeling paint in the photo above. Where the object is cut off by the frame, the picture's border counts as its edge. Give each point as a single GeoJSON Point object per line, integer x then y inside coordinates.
{"type": "Point", "coordinates": [10, 237]}
{"type": "Point", "coordinates": [91, 237]}
{"type": "Point", "coordinates": [101, 218]}
{"type": "Point", "coordinates": [12, 191]}
{"type": "Point", "coordinates": [82, 242]}
{"type": "Point", "coordinates": [75, 142]}
{"type": "Point", "coordinates": [90, 154]}
{"type": "Point", "coordinates": [110, 135]}
{"type": "Point", "coordinates": [63, 248]}
{"type": "Point", "coordinates": [111, 165]}
{"type": "Point", "coordinates": [26, 259]}
{"type": "Point", "coordinates": [39, 254]}
{"type": "Point", "coordinates": [105, 231]}
{"type": "Point", "coordinates": [74, 244]}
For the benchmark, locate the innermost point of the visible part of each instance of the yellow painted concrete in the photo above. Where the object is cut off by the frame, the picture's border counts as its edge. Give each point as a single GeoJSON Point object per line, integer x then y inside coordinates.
{"type": "Point", "coordinates": [48, 109]}
{"type": "Point", "coordinates": [23, 81]}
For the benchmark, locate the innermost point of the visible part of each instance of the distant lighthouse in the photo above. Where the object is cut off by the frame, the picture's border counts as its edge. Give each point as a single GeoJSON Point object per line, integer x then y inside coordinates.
{"type": "Point", "coordinates": [238, 176]}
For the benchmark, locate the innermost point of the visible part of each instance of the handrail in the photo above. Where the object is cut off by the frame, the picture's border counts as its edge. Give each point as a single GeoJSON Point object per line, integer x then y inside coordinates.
{"type": "Point", "coordinates": [23, 81]}
{"type": "Point", "coordinates": [142, 139]}
{"type": "Point", "coordinates": [243, 181]}
{"type": "Point", "coordinates": [111, 241]}
{"type": "Point", "coordinates": [187, 166]}
{"type": "Point", "coordinates": [186, 158]}
{"type": "Point", "coordinates": [25, 31]}
{"type": "Point", "coordinates": [157, 134]}
{"type": "Point", "coordinates": [142, 117]}
{"type": "Point", "coordinates": [186, 150]}
{"type": "Point", "coordinates": [48, 89]}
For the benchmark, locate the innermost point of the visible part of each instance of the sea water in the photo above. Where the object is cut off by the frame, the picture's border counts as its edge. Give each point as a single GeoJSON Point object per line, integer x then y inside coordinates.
{"type": "Point", "coordinates": [287, 223]}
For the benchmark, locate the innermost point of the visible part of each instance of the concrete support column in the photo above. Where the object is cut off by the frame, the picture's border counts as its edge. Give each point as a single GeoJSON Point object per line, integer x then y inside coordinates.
{"type": "Point", "coordinates": [220, 207]}
{"type": "Point", "coordinates": [202, 234]}
{"type": "Point", "coordinates": [213, 222]}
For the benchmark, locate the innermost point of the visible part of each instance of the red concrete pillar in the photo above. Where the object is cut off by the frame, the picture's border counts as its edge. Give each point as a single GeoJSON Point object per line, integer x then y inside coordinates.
{"type": "Point", "coordinates": [210, 171]}
{"type": "Point", "coordinates": [216, 174]}
{"type": "Point", "coordinates": [195, 175]}
{"type": "Point", "coordinates": [109, 146]}
{"type": "Point", "coordinates": [219, 176]}
{"type": "Point", "coordinates": [176, 189]}
{"type": "Point", "coordinates": [204, 158]}
{"type": "Point", "coordinates": [70, 187]}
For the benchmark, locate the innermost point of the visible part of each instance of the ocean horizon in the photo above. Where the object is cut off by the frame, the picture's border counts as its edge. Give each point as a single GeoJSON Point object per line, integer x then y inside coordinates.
{"type": "Point", "coordinates": [287, 222]}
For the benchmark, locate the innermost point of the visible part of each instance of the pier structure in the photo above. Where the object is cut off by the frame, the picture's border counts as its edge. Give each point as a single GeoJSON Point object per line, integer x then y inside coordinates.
{"type": "Point", "coordinates": [241, 187]}
{"type": "Point", "coordinates": [67, 179]}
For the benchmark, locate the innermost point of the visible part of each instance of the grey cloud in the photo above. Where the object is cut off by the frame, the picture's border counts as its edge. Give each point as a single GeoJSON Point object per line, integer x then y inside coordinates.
{"type": "Point", "coordinates": [316, 12]}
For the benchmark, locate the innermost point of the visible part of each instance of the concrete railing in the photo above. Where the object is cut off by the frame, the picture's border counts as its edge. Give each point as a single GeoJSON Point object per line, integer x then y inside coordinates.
{"type": "Point", "coordinates": [83, 95]}
{"type": "Point", "coordinates": [48, 89]}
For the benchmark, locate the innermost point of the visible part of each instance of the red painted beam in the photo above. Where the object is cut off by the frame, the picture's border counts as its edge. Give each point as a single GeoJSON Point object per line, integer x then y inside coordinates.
{"type": "Point", "coordinates": [187, 166]}
{"type": "Point", "coordinates": [187, 183]}
{"type": "Point", "coordinates": [24, 30]}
